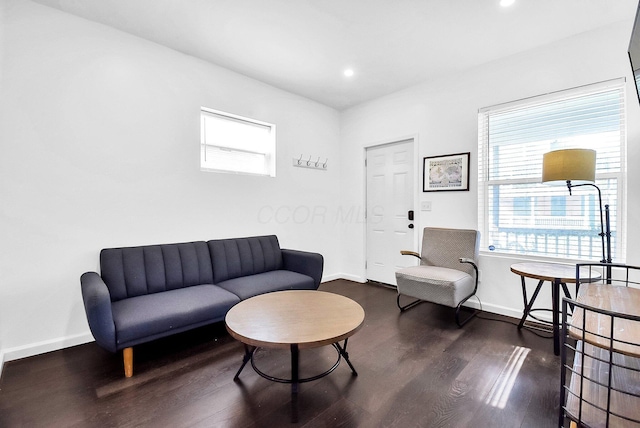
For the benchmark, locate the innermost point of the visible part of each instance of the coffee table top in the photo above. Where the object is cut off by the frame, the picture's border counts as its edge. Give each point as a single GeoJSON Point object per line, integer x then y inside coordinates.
{"type": "Point", "coordinates": [303, 317]}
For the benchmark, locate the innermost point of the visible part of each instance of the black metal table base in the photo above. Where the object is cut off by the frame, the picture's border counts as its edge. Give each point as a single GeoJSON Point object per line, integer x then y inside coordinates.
{"type": "Point", "coordinates": [295, 356]}
{"type": "Point", "coordinates": [555, 308]}
{"type": "Point", "coordinates": [295, 379]}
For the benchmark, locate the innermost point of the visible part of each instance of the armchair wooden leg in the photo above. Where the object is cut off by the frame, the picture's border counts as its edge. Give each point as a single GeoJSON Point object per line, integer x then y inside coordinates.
{"type": "Point", "coordinates": [127, 354]}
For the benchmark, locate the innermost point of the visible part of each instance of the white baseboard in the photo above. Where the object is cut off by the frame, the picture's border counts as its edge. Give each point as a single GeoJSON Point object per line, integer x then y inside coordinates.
{"type": "Point", "coordinates": [32, 349]}
{"type": "Point", "coordinates": [38, 348]}
{"type": "Point", "coordinates": [473, 302]}
{"type": "Point", "coordinates": [502, 310]}
{"type": "Point", "coordinates": [346, 276]}
{"type": "Point", "coordinates": [1, 361]}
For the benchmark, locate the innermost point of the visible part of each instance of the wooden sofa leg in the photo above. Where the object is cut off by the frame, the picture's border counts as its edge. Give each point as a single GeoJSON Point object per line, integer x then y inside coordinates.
{"type": "Point", "coordinates": [127, 354]}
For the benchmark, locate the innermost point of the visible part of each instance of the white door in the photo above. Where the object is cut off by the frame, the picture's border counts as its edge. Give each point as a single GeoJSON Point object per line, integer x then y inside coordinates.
{"type": "Point", "coordinates": [390, 187]}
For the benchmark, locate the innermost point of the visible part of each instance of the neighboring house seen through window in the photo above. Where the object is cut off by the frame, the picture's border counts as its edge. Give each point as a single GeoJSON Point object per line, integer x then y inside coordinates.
{"type": "Point", "coordinates": [520, 215]}
{"type": "Point", "coordinates": [236, 144]}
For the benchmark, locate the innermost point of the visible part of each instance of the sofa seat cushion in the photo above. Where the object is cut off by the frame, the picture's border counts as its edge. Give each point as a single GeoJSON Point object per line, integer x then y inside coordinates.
{"type": "Point", "coordinates": [161, 314]}
{"type": "Point", "coordinates": [277, 280]}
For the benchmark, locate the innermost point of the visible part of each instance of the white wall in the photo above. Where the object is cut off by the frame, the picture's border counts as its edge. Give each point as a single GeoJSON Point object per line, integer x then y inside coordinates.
{"type": "Point", "coordinates": [99, 147]}
{"type": "Point", "coordinates": [99, 136]}
{"type": "Point", "coordinates": [444, 115]}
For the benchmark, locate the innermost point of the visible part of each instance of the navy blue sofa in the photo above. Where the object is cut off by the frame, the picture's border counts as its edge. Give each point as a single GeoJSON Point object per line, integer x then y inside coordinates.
{"type": "Point", "coordinates": [148, 292]}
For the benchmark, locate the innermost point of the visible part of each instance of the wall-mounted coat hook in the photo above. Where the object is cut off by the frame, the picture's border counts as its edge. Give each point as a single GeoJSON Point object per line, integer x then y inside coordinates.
{"type": "Point", "coordinates": [309, 163]}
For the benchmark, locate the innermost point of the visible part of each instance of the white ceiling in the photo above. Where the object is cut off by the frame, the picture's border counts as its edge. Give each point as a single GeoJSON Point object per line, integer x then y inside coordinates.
{"type": "Point", "coordinates": [303, 46]}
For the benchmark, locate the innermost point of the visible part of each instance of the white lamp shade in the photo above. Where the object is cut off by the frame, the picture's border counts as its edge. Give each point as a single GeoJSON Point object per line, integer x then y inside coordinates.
{"type": "Point", "coordinates": [569, 164]}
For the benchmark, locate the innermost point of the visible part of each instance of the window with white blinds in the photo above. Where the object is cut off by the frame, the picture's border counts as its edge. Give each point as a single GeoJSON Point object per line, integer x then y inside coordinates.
{"type": "Point", "coordinates": [520, 215]}
{"type": "Point", "coordinates": [230, 143]}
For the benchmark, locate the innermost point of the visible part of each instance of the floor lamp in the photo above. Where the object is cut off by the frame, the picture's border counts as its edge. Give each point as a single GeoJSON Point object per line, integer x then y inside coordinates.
{"type": "Point", "coordinates": [579, 165]}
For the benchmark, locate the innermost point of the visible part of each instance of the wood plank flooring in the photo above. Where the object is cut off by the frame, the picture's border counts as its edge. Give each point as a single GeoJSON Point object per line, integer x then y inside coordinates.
{"type": "Point", "coordinates": [416, 369]}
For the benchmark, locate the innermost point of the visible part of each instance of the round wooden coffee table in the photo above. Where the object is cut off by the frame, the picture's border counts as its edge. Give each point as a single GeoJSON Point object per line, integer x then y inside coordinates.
{"type": "Point", "coordinates": [294, 319]}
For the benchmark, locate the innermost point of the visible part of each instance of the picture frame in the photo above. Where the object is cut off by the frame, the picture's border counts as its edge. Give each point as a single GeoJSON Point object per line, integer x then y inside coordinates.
{"type": "Point", "coordinates": [446, 173]}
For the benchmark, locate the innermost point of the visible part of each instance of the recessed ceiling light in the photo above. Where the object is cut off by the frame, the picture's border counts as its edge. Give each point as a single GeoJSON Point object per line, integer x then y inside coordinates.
{"type": "Point", "coordinates": [348, 72]}
{"type": "Point", "coordinates": [505, 3]}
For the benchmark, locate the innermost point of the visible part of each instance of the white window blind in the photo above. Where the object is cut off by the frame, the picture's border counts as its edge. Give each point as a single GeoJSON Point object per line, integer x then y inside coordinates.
{"type": "Point", "coordinates": [520, 215]}
{"type": "Point", "coordinates": [231, 143]}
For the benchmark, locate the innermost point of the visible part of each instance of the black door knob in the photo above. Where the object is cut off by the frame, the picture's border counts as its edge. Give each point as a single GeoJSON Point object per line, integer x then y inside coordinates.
{"type": "Point", "coordinates": [411, 226]}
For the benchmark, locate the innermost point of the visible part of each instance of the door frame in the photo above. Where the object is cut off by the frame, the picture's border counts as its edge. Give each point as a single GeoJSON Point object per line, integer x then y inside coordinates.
{"type": "Point", "coordinates": [416, 197]}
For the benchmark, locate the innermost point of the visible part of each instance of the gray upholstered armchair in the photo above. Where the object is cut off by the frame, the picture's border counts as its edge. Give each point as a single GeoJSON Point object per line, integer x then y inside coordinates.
{"type": "Point", "coordinates": [448, 271]}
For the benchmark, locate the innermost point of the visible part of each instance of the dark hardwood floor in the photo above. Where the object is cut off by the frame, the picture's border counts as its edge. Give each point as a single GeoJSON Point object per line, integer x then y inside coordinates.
{"type": "Point", "coordinates": [416, 369]}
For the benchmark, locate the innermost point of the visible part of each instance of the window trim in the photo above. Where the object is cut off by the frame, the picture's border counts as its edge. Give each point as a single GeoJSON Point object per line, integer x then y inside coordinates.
{"type": "Point", "coordinates": [269, 152]}
{"type": "Point", "coordinates": [618, 84]}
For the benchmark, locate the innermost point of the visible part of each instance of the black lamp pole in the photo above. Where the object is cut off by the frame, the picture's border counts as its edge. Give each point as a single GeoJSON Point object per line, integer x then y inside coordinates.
{"type": "Point", "coordinates": [605, 228]}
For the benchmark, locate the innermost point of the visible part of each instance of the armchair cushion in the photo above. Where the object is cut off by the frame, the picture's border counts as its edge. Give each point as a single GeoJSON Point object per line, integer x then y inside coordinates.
{"type": "Point", "coordinates": [436, 284]}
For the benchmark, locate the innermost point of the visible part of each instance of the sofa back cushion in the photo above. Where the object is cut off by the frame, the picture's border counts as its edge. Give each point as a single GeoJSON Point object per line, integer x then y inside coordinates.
{"type": "Point", "coordinates": [135, 271]}
{"type": "Point", "coordinates": [233, 258]}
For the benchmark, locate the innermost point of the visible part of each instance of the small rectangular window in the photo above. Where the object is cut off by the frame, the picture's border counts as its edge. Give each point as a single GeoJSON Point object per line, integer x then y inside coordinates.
{"type": "Point", "coordinates": [230, 143]}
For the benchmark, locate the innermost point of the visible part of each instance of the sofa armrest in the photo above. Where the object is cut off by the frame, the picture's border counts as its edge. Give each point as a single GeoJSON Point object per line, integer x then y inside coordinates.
{"type": "Point", "coordinates": [306, 263]}
{"type": "Point", "coordinates": [97, 305]}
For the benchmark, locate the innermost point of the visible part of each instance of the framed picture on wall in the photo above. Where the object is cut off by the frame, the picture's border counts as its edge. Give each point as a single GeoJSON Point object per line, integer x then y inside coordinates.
{"type": "Point", "coordinates": [446, 173]}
